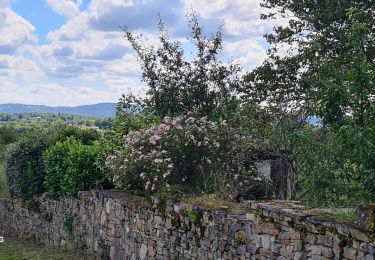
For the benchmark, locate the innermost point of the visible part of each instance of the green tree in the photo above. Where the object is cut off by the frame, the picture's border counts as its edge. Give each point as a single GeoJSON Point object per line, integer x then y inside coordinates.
{"type": "Point", "coordinates": [203, 84]}
{"type": "Point", "coordinates": [329, 69]}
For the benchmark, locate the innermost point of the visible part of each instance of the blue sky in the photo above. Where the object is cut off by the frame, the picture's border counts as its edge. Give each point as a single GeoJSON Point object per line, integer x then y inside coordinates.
{"type": "Point", "coordinates": [72, 52]}
{"type": "Point", "coordinates": [39, 14]}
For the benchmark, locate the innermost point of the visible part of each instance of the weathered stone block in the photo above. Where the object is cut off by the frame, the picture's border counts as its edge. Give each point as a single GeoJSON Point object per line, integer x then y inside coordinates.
{"type": "Point", "coordinates": [350, 253]}
{"type": "Point", "coordinates": [316, 249]}
{"type": "Point", "coordinates": [359, 235]}
{"type": "Point", "coordinates": [365, 217]}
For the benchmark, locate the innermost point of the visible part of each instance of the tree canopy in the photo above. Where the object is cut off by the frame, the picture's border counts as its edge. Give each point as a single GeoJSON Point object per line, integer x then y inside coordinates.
{"type": "Point", "coordinates": [328, 68]}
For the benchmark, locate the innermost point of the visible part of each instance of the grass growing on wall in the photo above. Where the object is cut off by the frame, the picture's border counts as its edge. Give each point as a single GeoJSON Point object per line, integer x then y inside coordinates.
{"type": "Point", "coordinates": [12, 249]}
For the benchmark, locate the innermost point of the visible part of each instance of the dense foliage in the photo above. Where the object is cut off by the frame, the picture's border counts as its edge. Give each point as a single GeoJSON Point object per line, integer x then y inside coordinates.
{"type": "Point", "coordinates": [24, 165]}
{"type": "Point", "coordinates": [335, 168]}
{"type": "Point", "coordinates": [187, 153]}
{"type": "Point", "coordinates": [70, 167]}
{"type": "Point", "coordinates": [328, 71]}
{"type": "Point", "coordinates": [200, 129]}
{"type": "Point", "coordinates": [7, 136]}
{"type": "Point", "coordinates": [113, 138]}
{"type": "Point", "coordinates": [63, 162]}
{"type": "Point", "coordinates": [85, 136]}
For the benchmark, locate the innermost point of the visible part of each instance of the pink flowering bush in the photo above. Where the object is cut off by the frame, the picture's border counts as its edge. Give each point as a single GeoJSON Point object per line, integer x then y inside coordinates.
{"type": "Point", "coordinates": [188, 154]}
{"type": "Point", "coordinates": [184, 151]}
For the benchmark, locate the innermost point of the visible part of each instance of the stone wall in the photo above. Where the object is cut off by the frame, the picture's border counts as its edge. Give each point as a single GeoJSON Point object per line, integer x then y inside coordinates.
{"type": "Point", "coordinates": [114, 225]}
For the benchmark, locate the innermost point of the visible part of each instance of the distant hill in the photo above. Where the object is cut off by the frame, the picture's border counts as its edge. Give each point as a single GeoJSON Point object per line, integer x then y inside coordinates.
{"type": "Point", "coordinates": [95, 110]}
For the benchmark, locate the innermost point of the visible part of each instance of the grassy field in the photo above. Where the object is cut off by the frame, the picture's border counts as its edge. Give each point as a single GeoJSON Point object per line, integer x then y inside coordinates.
{"type": "Point", "coordinates": [12, 249]}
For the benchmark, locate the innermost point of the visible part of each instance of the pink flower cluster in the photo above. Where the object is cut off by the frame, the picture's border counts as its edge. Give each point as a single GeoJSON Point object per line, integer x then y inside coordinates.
{"type": "Point", "coordinates": [149, 156]}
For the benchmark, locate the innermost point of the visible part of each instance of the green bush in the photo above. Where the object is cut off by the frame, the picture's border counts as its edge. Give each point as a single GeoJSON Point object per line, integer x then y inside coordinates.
{"type": "Point", "coordinates": [193, 153]}
{"type": "Point", "coordinates": [70, 167]}
{"type": "Point", "coordinates": [85, 136]}
{"type": "Point", "coordinates": [24, 165]}
{"type": "Point", "coordinates": [7, 135]}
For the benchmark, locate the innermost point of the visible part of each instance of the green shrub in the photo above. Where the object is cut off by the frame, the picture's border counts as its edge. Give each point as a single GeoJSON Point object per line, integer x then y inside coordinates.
{"type": "Point", "coordinates": [85, 136]}
{"type": "Point", "coordinates": [193, 153]}
{"type": "Point", "coordinates": [7, 135]}
{"type": "Point", "coordinates": [70, 167]}
{"type": "Point", "coordinates": [24, 165]}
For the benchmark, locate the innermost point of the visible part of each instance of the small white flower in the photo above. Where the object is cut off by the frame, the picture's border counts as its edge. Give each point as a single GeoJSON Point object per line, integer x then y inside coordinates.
{"type": "Point", "coordinates": [167, 120]}
{"type": "Point", "coordinates": [158, 161]}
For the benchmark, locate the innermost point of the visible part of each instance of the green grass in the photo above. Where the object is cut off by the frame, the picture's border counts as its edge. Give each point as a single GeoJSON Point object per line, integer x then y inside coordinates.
{"type": "Point", "coordinates": [344, 215]}
{"type": "Point", "coordinates": [12, 249]}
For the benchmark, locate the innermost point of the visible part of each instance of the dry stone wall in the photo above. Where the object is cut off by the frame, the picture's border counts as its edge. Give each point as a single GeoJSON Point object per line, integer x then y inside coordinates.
{"type": "Point", "coordinates": [114, 225]}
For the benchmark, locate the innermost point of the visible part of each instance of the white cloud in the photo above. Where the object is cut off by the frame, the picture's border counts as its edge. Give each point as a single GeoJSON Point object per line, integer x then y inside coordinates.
{"type": "Point", "coordinates": [14, 30]}
{"type": "Point", "coordinates": [241, 17]}
{"type": "Point", "coordinates": [246, 52]}
{"type": "Point", "coordinates": [53, 94]}
{"type": "Point", "coordinates": [18, 66]}
{"type": "Point", "coordinates": [87, 59]}
{"type": "Point", "coordinates": [73, 30]}
{"type": "Point", "coordinates": [68, 8]}
{"type": "Point", "coordinates": [5, 3]}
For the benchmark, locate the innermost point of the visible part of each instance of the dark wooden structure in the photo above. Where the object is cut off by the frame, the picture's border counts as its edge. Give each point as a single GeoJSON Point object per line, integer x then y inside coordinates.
{"type": "Point", "coordinates": [279, 169]}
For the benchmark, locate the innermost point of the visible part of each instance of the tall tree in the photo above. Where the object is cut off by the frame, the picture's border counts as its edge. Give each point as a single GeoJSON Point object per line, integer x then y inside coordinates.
{"type": "Point", "coordinates": [329, 68]}
{"type": "Point", "coordinates": [176, 85]}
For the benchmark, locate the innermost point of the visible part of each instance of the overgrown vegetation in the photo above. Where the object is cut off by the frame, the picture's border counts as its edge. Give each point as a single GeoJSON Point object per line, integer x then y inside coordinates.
{"type": "Point", "coordinates": [70, 167]}
{"type": "Point", "coordinates": [328, 71]}
{"type": "Point", "coordinates": [203, 130]}
{"type": "Point", "coordinates": [192, 153]}
{"type": "Point", "coordinates": [68, 224]}
{"type": "Point", "coordinates": [24, 165]}
{"type": "Point", "coordinates": [62, 162]}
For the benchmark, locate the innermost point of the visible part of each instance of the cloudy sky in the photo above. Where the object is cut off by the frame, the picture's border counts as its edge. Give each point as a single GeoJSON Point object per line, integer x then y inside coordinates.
{"type": "Point", "coordinates": [72, 52]}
